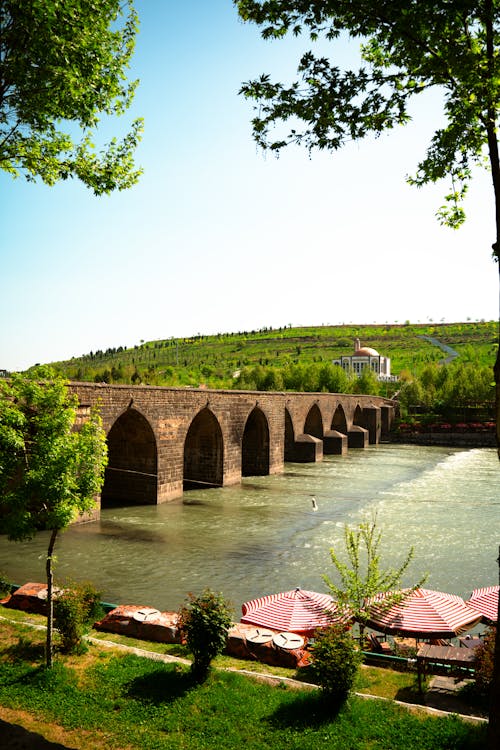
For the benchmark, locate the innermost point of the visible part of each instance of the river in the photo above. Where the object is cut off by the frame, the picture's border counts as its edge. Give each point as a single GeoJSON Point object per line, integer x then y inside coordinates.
{"type": "Point", "coordinates": [264, 535]}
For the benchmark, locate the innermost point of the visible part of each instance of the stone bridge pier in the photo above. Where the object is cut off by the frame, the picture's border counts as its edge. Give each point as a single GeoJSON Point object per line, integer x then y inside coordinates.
{"type": "Point", "coordinates": [164, 440]}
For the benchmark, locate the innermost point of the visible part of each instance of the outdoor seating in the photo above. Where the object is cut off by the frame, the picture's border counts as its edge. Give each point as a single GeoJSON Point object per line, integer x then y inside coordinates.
{"type": "Point", "coordinates": [378, 646]}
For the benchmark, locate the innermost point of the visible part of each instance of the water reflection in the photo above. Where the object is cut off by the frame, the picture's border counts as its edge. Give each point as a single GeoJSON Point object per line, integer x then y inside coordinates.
{"type": "Point", "coordinates": [264, 536]}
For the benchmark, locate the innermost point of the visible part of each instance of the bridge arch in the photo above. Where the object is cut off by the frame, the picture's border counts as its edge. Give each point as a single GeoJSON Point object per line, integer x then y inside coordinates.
{"type": "Point", "coordinates": [131, 475]}
{"type": "Point", "coordinates": [203, 452]}
{"type": "Point", "coordinates": [357, 418]}
{"type": "Point", "coordinates": [314, 422]}
{"type": "Point", "coordinates": [289, 449]}
{"type": "Point", "coordinates": [255, 445]}
{"type": "Point", "coordinates": [339, 421]}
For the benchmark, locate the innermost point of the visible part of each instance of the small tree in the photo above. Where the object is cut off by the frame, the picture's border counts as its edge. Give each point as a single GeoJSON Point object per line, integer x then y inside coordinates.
{"type": "Point", "coordinates": [335, 662]}
{"type": "Point", "coordinates": [362, 578]}
{"type": "Point", "coordinates": [50, 471]}
{"type": "Point", "coordinates": [205, 621]}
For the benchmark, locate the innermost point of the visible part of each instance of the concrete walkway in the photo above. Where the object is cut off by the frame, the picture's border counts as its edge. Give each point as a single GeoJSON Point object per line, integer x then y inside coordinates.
{"type": "Point", "coordinates": [452, 354]}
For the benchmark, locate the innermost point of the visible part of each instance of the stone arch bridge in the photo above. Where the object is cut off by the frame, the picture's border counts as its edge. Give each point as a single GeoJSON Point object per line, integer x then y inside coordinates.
{"type": "Point", "coordinates": [164, 440]}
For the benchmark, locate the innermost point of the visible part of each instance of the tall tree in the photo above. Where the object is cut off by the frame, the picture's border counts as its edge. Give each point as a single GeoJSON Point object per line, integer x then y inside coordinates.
{"type": "Point", "coordinates": [407, 47]}
{"type": "Point", "coordinates": [362, 577]}
{"type": "Point", "coordinates": [51, 463]}
{"type": "Point", "coordinates": [62, 66]}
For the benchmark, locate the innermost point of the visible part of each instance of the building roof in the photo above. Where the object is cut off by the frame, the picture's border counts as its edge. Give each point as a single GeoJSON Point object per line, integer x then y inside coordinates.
{"type": "Point", "coordinates": [366, 351]}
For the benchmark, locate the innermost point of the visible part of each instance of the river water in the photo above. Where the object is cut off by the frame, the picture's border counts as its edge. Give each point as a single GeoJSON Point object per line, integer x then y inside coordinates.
{"type": "Point", "coordinates": [264, 536]}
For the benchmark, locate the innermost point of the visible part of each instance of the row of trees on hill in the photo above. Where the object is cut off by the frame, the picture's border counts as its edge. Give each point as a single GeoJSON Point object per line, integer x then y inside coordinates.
{"type": "Point", "coordinates": [439, 389]}
{"type": "Point", "coordinates": [448, 389]}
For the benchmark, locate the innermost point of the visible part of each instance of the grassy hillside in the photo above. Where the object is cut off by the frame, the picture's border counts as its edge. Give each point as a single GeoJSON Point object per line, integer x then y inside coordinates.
{"type": "Point", "coordinates": [213, 360]}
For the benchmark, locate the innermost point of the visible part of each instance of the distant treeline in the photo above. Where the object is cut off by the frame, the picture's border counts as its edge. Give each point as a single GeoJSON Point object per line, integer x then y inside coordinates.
{"type": "Point", "coordinates": [300, 359]}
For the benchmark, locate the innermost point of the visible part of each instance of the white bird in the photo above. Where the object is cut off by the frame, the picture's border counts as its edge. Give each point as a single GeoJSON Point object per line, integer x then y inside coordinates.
{"type": "Point", "coordinates": [314, 503]}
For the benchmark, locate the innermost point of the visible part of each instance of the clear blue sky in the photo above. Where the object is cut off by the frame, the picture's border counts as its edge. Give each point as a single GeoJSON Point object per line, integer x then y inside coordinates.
{"type": "Point", "coordinates": [219, 237]}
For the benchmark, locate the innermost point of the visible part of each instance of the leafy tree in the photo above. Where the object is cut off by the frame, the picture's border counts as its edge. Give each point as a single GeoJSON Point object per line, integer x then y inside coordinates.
{"type": "Point", "coordinates": [62, 66]}
{"type": "Point", "coordinates": [367, 382]}
{"type": "Point", "coordinates": [51, 466]}
{"type": "Point", "coordinates": [205, 621]}
{"type": "Point", "coordinates": [407, 48]}
{"type": "Point", "coordinates": [333, 379]}
{"type": "Point", "coordinates": [361, 578]}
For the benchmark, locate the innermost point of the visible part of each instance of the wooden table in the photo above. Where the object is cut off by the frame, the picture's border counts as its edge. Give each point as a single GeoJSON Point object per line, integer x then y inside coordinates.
{"type": "Point", "coordinates": [451, 658]}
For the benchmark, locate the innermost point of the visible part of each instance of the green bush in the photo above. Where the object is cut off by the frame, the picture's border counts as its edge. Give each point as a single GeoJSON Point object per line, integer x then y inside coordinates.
{"type": "Point", "coordinates": [5, 586]}
{"type": "Point", "coordinates": [484, 663]}
{"type": "Point", "coordinates": [335, 662]}
{"type": "Point", "coordinates": [75, 609]}
{"type": "Point", "coordinates": [204, 622]}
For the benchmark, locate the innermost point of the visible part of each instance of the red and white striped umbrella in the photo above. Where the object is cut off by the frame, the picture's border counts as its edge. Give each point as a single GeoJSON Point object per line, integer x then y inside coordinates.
{"type": "Point", "coordinates": [423, 614]}
{"type": "Point", "coordinates": [294, 611]}
{"type": "Point", "coordinates": [485, 601]}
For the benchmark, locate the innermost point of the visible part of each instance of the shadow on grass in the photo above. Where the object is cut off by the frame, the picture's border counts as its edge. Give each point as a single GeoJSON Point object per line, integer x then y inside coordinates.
{"type": "Point", "coordinates": [452, 701]}
{"type": "Point", "coordinates": [161, 686]}
{"type": "Point", "coordinates": [410, 695]}
{"type": "Point", "coordinates": [25, 650]}
{"type": "Point", "coordinates": [15, 737]}
{"type": "Point", "coordinates": [311, 710]}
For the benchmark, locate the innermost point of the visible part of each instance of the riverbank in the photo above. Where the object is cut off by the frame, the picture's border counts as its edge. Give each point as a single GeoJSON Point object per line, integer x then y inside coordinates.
{"type": "Point", "coordinates": [142, 698]}
{"type": "Point", "coordinates": [445, 438]}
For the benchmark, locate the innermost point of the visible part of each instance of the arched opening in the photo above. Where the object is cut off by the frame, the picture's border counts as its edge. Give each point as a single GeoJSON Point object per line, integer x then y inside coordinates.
{"type": "Point", "coordinates": [314, 422]}
{"type": "Point", "coordinates": [289, 438]}
{"type": "Point", "coordinates": [255, 445]}
{"type": "Point", "coordinates": [339, 421]}
{"type": "Point", "coordinates": [358, 416]}
{"type": "Point", "coordinates": [131, 476]}
{"type": "Point", "coordinates": [203, 452]}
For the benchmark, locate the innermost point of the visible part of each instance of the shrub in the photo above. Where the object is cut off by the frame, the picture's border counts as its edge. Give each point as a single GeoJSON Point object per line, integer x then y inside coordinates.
{"type": "Point", "coordinates": [5, 586]}
{"type": "Point", "coordinates": [484, 662]}
{"type": "Point", "coordinates": [335, 662]}
{"type": "Point", "coordinates": [75, 609]}
{"type": "Point", "coordinates": [204, 622]}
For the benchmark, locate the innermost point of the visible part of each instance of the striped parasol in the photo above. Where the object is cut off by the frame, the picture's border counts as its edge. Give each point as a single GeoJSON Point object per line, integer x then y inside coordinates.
{"type": "Point", "coordinates": [423, 614]}
{"type": "Point", "coordinates": [294, 611]}
{"type": "Point", "coordinates": [485, 601]}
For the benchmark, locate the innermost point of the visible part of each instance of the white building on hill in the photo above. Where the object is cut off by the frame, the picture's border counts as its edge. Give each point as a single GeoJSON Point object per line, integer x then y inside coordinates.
{"type": "Point", "coordinates": [365, 356]}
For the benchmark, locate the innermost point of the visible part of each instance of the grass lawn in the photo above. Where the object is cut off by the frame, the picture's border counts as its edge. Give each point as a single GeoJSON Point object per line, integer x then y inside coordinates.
{"type": "Point", "coordinates": [109, 698]}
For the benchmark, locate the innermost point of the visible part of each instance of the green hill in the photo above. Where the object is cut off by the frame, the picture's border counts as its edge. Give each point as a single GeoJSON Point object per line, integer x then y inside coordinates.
{"type": "Point", "coordinates": [215, 361]}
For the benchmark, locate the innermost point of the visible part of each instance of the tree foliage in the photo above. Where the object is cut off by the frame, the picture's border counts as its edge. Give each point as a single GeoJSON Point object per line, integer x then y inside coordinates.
{"type": "Point", "coordinates": [443, 387]}
{"type": "Point", "coordinates": [62, 67]}
{"type": "Point", "coordinates": [362, 577]}
{"type": "Point", "coordinates": [76, 607]}
{"type": "Point", "coordinates": [407, 47]}
{"type": "Point", "coordinates": [205, 621]}
{"type": "Point", "coordinates": [51, 467]}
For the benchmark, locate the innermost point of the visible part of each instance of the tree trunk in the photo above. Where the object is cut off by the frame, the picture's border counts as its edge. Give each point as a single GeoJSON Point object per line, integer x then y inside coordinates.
{"type": "Point", "coordinates": [494, 712]}
{"type": "Point", "coordinates": [491, 130]}
{"type": "Point", "coordinates": [50, 605]}
{"type": "Point", "coordinates": [493, 153]}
